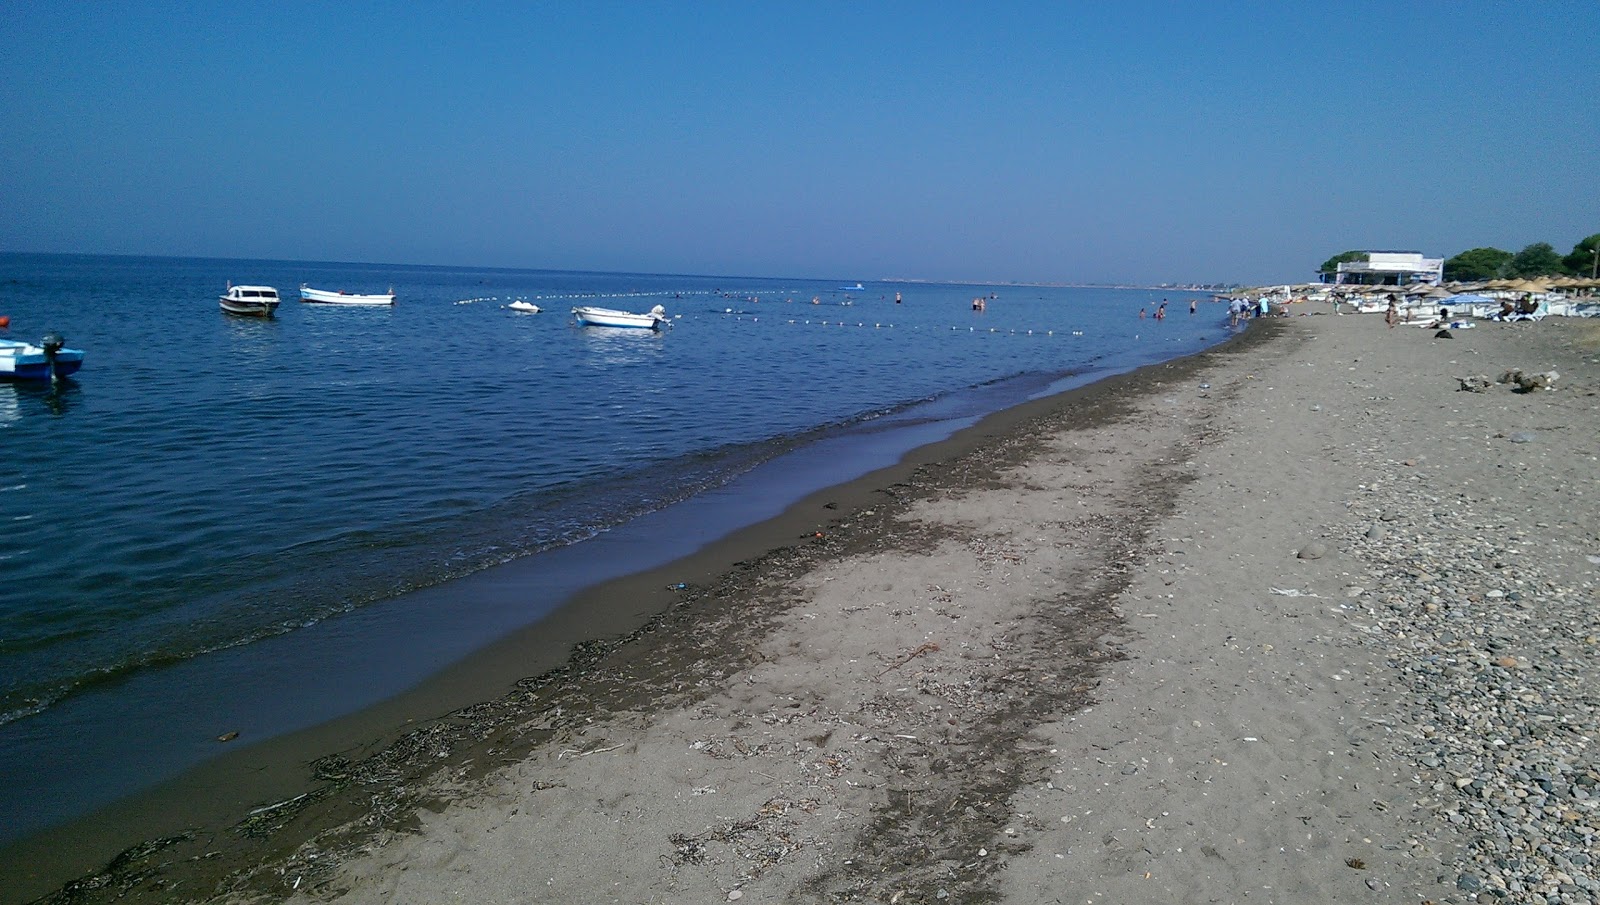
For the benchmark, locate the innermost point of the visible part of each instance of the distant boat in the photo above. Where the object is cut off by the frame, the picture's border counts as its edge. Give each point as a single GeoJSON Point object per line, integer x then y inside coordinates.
{"type": "Point", "coordinates": [50, 360]}
{"type": "Point", "coordinates": [529, 307]}
{"type": "Point", "coordinates": [856, 288]}
{"type": "Point", "coordinates": [655, 319]}
{"type": "Point", "coordinates": [250, 301]}
{"type": "Point", "coordinates": [324, 297]}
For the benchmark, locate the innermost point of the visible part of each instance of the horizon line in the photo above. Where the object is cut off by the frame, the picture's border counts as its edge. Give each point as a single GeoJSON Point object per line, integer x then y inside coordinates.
{"type": "Point", "coordinates": [1189, 286]}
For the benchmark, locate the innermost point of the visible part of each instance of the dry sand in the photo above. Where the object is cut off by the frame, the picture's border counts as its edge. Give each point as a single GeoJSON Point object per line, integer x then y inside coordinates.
{"type": "Point", "coordinates": [1148, 643]}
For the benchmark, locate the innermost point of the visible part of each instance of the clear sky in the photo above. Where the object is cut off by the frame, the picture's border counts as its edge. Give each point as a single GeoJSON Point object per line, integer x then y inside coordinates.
{"type": "Point", "coordinates": [1063, 141]}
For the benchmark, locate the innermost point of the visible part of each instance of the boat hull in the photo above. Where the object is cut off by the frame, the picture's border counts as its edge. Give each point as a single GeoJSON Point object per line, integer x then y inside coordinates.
{"type": "Point", "coordinates": [249, 309]}
{"type": "Point", "coordinates": [324, 297]}
{"type": "Point", "coordinates": [608, 317]}
{"type": "Point", "coordinates": [21, 361]}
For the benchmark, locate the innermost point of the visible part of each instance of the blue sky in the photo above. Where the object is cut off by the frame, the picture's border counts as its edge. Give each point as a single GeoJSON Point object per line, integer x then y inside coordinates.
{"type": "Point", "coordinates": [1128, 142]}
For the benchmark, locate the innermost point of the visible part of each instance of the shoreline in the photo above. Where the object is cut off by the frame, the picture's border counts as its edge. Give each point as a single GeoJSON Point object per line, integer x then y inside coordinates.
{"type": "Point", "coordinates": [289, 641]}
{"type": "Point", "coordinates": [212, 797]}
{"type": "Point", "coordinates": [1203, 631]}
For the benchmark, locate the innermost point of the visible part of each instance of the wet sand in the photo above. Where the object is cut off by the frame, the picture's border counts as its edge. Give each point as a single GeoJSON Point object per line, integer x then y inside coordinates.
{"type": "Point", "coordinates": [1103, 647]}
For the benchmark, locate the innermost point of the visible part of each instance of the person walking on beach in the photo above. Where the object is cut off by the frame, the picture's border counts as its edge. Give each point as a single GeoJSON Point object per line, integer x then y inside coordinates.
{"type": "Point", "coordinates": [1392, 316]}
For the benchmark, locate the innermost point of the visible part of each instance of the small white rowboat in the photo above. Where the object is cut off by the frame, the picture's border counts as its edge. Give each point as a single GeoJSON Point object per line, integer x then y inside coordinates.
{"type": "Point", "coordinates": [324, 297]}
{"type": "Point", "coordinates": [655, 319]}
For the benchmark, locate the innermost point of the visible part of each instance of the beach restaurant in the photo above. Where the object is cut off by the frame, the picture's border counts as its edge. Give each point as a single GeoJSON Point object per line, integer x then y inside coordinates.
{"type": "Point", "coordinates": [1395, 268]}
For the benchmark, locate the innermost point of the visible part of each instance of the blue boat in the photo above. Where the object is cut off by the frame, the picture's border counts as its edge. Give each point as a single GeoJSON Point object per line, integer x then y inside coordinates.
{"type": "Point", "coordinates": [49, 360]}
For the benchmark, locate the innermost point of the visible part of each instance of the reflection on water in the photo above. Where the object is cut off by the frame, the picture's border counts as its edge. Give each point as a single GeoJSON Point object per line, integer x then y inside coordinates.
{"type": "Point", "coordinates": [35, 397]}
{"type": "Point", "coordinates": [622, 345]}
{"type": "Point", "coordinates": [251, 338]}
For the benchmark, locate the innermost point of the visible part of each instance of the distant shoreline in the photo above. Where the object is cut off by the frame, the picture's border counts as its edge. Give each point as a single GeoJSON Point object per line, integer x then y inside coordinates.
{"type": "Point", "coordinates": [907, 281]}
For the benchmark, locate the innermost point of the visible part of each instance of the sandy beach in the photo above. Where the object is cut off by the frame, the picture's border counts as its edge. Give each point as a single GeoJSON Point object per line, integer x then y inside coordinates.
{"type": "Point", "coordinates": [1295, 620]}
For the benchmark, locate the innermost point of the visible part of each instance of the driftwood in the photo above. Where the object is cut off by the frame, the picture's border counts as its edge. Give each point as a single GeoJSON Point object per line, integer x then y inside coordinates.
{"type": "Point", "coordinates": [928, 648]}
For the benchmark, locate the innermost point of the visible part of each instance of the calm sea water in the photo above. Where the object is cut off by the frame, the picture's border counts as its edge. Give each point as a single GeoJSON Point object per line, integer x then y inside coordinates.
{"type": "Point", "coordinates": [207, 483]}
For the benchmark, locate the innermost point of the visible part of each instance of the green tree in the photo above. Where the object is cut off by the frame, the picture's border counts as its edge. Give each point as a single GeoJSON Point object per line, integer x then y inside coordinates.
{"type": "Point", "coordinates": [1331, 266]}
{"type": "Point", "coordinates": [1477, 264]}
{"type": "Point", "coordinates": [1581, 261]}
{"type": "Point", "coordinates": [1537, 260]}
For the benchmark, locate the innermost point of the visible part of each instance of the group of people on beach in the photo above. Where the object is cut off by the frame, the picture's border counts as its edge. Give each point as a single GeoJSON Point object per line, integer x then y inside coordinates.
{"type": "Point", "coordinates": [1240, 310]}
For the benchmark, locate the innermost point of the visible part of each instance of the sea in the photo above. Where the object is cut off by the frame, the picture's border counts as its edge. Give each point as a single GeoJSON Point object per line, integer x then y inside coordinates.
{"type": "Point", "coordinates": [256, 525]}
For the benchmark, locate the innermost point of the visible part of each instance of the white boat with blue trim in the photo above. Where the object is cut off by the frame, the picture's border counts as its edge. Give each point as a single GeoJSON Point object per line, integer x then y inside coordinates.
{"type": "Point", "coordinates": [654, 319]}
{"type": "Point", "coordinates": [325, 297]}
{"type": "Point", "coordinates": [50, 360]}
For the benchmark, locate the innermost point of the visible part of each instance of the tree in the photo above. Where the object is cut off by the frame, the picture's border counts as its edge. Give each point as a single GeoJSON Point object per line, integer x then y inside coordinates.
{"type": "Point", "coordinates": [1477, 264]}
{"type": "Point", "coordinates": [1581, 261]}
{"type": "Point", "coordinates": [1537, 260]}
{"type": "Point", "coordinates": [1331, 266]}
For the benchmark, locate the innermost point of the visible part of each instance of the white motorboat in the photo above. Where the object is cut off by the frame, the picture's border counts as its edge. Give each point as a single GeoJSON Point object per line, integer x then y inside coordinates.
{"type": "Point", "coordinates": [250, 301]}
{"type": "Point", "coordinates": [49, 360]}
{"type": "Point", "coordinates": [655, 319]}
{"type": "Point", "coordinates": [324, 297]}
{"type": "Point", "coordinates": [527, 307]}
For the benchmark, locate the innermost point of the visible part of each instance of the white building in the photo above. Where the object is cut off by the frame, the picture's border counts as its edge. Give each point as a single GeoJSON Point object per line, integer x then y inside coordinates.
{"type": "Point", "coordinates": [1392, 267]}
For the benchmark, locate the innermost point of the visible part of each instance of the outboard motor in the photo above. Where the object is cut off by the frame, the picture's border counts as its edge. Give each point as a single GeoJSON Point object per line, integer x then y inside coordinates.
{"type": "Point", "coordinates": [51, 344]}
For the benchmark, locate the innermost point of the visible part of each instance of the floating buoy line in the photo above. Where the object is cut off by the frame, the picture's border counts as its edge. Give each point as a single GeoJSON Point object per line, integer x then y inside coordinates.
{"type": "Point", "coordinates": [879, 325]}
{"type": "Point", "coordinates": [754, 297]}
